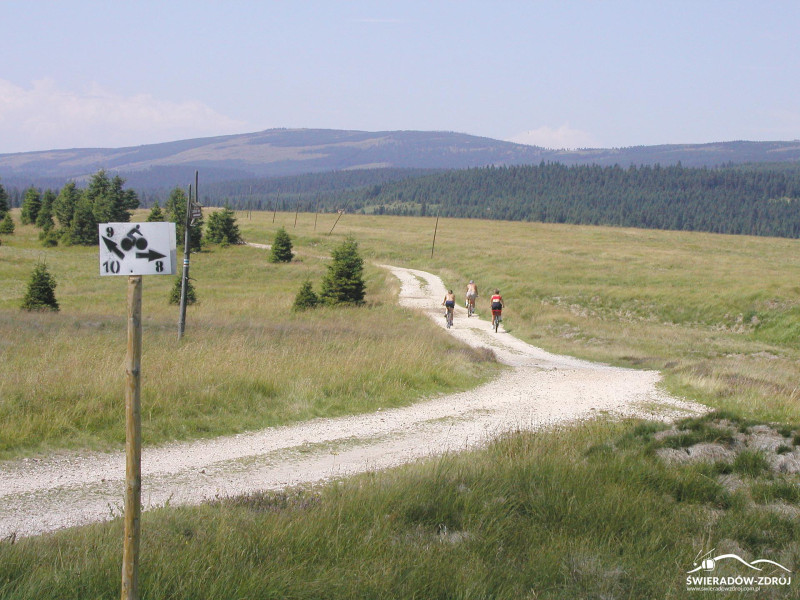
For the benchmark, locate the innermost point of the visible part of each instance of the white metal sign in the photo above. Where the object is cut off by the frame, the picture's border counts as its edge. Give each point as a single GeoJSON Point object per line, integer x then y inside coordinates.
{"type": "Point", "coordinates": [137, 248]}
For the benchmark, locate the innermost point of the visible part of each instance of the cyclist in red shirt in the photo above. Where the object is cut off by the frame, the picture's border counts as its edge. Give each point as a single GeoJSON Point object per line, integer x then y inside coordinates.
{"type": "Point", "coordinates": [497, 308]}
{"type": "Point", "coordinates": [497, 301]}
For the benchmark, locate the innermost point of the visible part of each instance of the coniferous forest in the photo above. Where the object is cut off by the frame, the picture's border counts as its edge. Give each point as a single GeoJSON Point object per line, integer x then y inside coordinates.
{"type": "Point", "coordinates": [754, 201]}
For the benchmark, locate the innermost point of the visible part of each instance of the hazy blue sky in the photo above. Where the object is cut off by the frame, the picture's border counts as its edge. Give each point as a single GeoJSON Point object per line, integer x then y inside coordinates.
{"type": "Point", "coordinates": [551, 73]}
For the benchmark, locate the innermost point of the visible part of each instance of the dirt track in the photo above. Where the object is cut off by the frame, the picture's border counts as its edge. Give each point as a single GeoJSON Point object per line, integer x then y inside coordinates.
{"type": "Point", "coordinates": [540, 389]}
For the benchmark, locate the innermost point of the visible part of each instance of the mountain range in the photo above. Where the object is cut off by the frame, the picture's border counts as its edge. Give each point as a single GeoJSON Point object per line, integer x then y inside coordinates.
{"type": "Point", "coordinates": [282, 152]}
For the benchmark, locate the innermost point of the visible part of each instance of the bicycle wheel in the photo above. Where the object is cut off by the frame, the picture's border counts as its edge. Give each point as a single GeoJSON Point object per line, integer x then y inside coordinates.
{"type": "Point", "coordinates": [496, 322]}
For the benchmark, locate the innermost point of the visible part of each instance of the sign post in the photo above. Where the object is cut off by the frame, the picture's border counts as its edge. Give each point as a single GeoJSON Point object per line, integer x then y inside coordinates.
{"type": "Point", "coordinates": [133, 443]}
{"type": "Point", "coordinates": [134, 250]}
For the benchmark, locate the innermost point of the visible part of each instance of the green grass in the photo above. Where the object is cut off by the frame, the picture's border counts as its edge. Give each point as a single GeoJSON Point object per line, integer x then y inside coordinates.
{"type": "Point", "coordinates": [528, 517]}
{"type": "Point", "coordinates": [711, 312]}
{"type": "Point", "coordinates": [587, 511]}
{"type": "Point", "coordinates": [718, 315]}
{"type": "Point", "coordinates": [246, 360]}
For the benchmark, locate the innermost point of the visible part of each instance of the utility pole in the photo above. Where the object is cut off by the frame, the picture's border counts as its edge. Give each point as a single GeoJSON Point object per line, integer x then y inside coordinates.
{"type": "Point", "coordinates": [436, 227]}
{"type": "Point", "coordinates": [341, 212]}
{"type": "Point", "coordinates": [186, 251]}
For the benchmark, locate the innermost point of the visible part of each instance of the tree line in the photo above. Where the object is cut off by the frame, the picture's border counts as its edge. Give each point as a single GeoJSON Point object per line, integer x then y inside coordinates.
{"type": "Point", "coordinates": [734, 199]}
{"type": "Point", "coordinates": [724, 200]}
{"type": "Point", "coordinates": [70, 215]}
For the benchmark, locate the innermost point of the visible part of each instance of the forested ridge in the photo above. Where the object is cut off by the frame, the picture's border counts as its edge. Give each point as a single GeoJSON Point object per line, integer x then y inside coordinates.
{"type": "Point", "coordinates": [725, 200]}
{"type": "Point", "coordinates": [756, 199]}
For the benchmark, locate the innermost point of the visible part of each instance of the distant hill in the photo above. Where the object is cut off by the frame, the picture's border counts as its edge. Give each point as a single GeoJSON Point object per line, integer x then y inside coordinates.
{"type": "Point", "coordinates": [284, 152]}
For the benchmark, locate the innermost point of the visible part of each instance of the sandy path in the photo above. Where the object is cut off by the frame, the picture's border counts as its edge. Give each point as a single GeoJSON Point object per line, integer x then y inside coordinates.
{"type": "Point", "coordinates": [540, 389]}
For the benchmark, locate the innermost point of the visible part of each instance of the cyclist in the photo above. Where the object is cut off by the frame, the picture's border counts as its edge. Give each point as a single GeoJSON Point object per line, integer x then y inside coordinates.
{"type": "Point", "coordinates": [472, 294]}
{"type": "Point", "coordinates": [497, 306]}
{"type": "Point", "coordinates": [449, 303]}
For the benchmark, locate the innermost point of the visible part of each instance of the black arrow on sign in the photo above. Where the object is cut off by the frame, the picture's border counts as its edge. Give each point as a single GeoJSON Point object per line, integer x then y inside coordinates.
{"type": "Point", "coordinates": [112, 246]}
{"type": "Point", "coordinates": [150, 255]}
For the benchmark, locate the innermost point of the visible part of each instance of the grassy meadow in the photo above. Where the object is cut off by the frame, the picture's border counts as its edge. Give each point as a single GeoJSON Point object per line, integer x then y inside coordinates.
{"type": "Point", "coordinates": [245, 362]}
{"type": "Point", "coordinates": [586, 511]}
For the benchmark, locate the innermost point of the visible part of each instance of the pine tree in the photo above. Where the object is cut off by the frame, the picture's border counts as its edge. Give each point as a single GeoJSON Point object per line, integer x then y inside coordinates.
{"type": "Point", "coordinates": [83, 230]}
{"type": "Point", "coordinates": [49, 237]}
{"type": "Point", "coordinates": [281, 250]}
{"type": "Point", "coordinates": [222, 228]}
{"type": "Point", "coordinates": [306, 298]}
{"type": "Point", "coordinates": [65, 203]}
{"type": "Point", "coordinates": [175, 293]}
{"type": "Point", "coordinates": [156, 214]}
{"type": "Point", "coordinates": [41, 291]}
{"type": "Point", "coordinates": [44, 220]}
{"type": "Point", "coordinates": [7, 224]}
{"type": "Point", "coordinates": [110, 203]}
{"type": "Point", "coordinates": [344, 282]}
{"type": "Point", "coordinates": [4, 204]}
{"type": "Point", "coordinates": [30, 206]}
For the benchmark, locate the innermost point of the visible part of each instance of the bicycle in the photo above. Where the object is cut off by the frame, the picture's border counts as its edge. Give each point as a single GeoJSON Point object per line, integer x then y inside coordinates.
{"type": "Point", "coordinates": [496, 318]}
{"type": "Point", "coordinates": [470, 307]}
{"type": "Point", "coordinates": [448, 316]}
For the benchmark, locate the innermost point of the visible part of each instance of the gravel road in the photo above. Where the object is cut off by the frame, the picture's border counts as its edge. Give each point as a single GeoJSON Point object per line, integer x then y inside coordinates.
{"type": "Point", "coordinates": [540, 389]}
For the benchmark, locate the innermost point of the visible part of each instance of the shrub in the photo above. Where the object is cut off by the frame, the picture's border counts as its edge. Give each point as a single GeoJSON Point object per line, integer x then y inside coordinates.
{"type": "Point", "coordinates": [175, 294]}
{"type": "Point", "coordinates": [7, 224]}
{"type": "Point", "coordinates": [156, 214]}
{"type": "Point", "coordinates": [344, 282]}
{"type": "Point", "coordinates": [306, 298]}
{"type": "Point", "coordinates": [49, 238]}
{"type": "Point", "coordinates": [281, 250]}
{"type": "Point", "coordinates": [222, 228]}
{"type": "Point", "coordinates": [41, 290]}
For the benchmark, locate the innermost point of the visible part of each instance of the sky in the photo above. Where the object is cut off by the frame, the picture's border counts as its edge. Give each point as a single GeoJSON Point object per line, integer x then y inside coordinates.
{"type": "Point", "coordinates": [552, 73]}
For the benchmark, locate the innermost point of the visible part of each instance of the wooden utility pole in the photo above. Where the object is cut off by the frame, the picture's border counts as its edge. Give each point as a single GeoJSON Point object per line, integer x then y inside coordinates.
{"type": "Point", "coordinates": [341, 212]}
{"type": "Point", "coordinates": [435, 229]}
{"type": "Point", "coordinates": [133, 443]}
{"type": "Point", "coordinates": [186, 251]}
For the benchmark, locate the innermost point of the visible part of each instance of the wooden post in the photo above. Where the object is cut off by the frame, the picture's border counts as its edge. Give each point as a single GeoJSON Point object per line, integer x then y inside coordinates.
{"type": "Point", "coordinates": [275, 211]}
{"type": "Point", "coordinates": [186, 253]}
{"type": "Point", "coordinates": [341, 212]}
{"type": "Point", "coordinates": [336, 221]}
{"type": "Point", "coordinates": [316, 214]}
{"type": "Point", "coordinates": [436, 227]}
{"type": "Point", "coordinates": [297, 210]}
{"type": "Point", "coordinates": [133, 443]}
